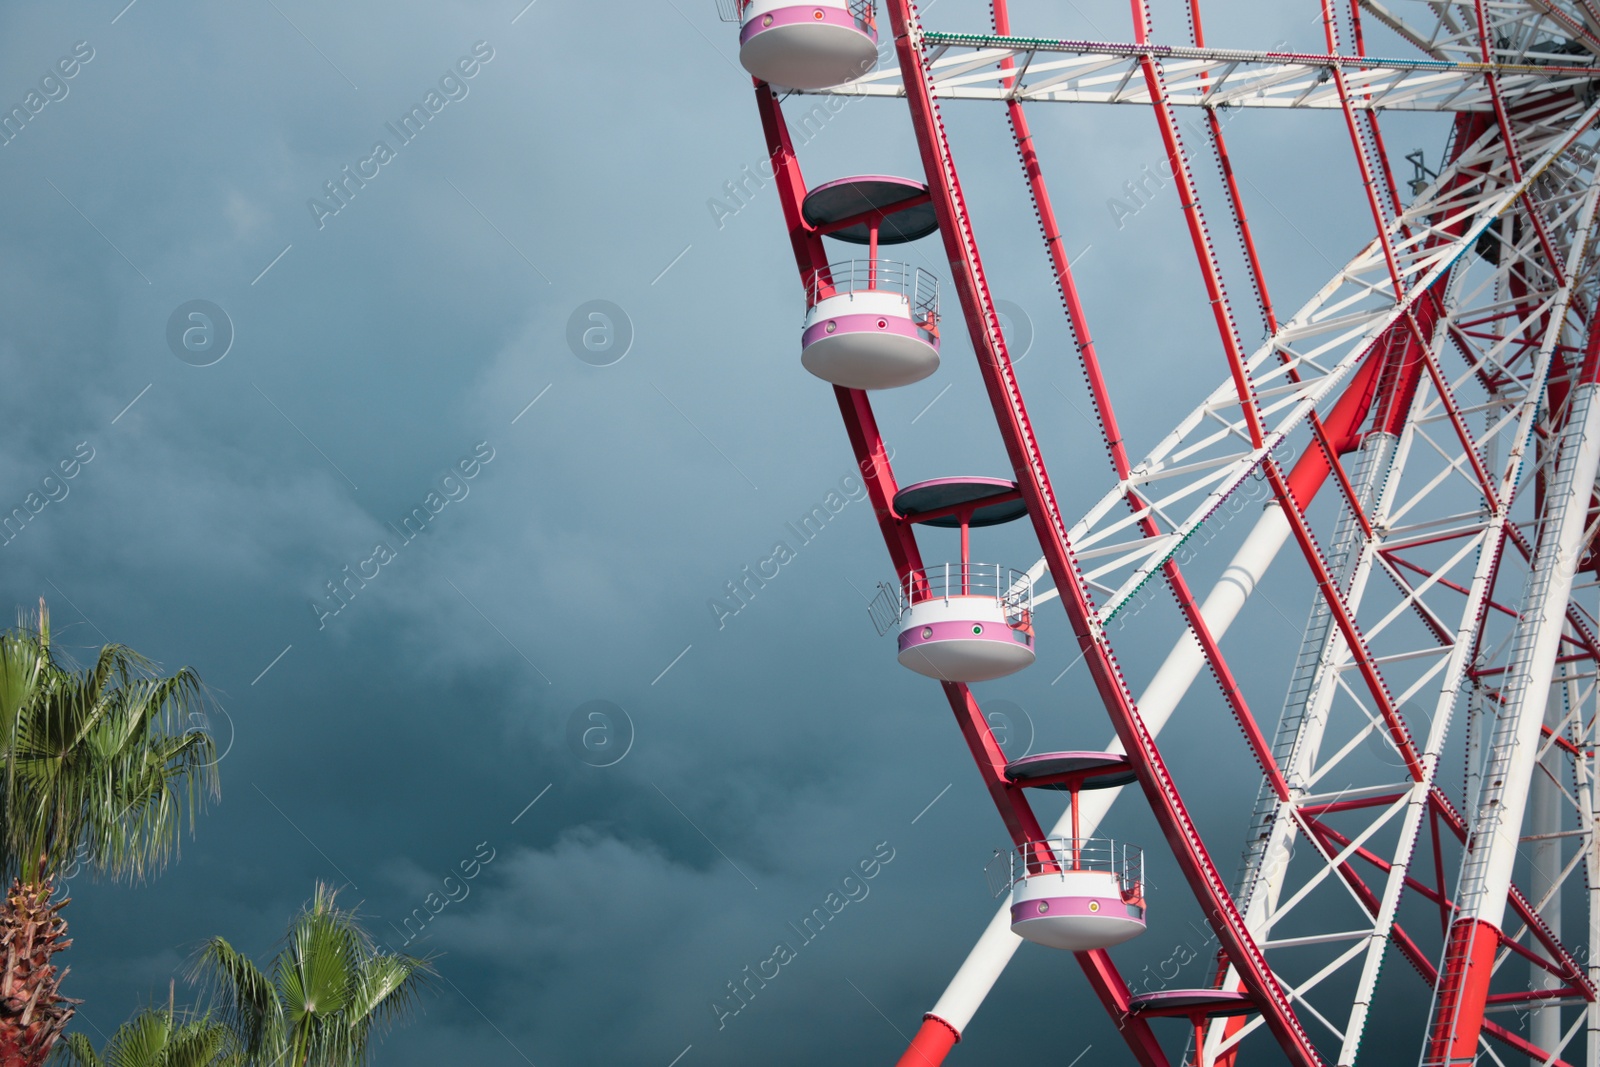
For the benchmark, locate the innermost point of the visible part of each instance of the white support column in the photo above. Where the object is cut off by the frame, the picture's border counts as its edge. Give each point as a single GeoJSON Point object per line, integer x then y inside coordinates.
{"type": "Point", "coordinates": [1592, 845]}
{"type": "Point", "coordinates": [1486, 870]}
{"type": "Point", "coordinates": [1544, 867]}
{"type": "Point", "coordinates": [1456, 1017]}
{"type": "Point", "coordinates": [1498, 822]}
{"type": "Point", "coordinates": [1477, 727]}
{"type": "Point", "coordinates": [988, 958]}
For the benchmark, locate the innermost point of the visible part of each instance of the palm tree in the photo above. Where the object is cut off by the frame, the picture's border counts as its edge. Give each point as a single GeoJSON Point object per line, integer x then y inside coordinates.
{"type": "Point", "coordinates": [156, 1037]}
{"type": "Point", "coordinates": [98, 768]}
{"type": "Point", "coordinates": [323, 998]}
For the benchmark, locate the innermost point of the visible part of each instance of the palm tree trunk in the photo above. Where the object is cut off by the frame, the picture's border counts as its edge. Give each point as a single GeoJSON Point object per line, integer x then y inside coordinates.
{"type": "Point", "coordinates": [33, 1013]}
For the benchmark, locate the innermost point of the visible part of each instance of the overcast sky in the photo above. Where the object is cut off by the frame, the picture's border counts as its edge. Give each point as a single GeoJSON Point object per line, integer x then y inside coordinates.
{"type": "Point", "coordinates": [412, 338]}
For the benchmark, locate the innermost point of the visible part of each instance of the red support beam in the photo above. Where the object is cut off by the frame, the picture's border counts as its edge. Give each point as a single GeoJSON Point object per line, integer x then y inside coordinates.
{"type": "Point", "coordinates": [899, 537]}
{"type": "Point", "coordinates": [935, 1038]}
{"type": "Point", "coordinates": [873, 460]}
{"type": "Point", "coordinates": [1016, 431]}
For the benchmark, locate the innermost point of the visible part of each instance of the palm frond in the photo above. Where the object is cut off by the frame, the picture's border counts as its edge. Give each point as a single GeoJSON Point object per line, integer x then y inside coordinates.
{"type": "Point", "coordinates": [243, 996]}
{"type": "Point", "coordinates": [388, 992]}
{"type": "Point", "coordinates": [75, 1050]}
{"type": "Point", "coordinates": [203, 1042]}
{"type": "Point", "coordinates": [324, 997]}
{"type": "Point", "coordinates": [157, 1037]}
{"type": "Point", "coordinates": [140, 1041]}
{"type": "Point", "coordinates": [108, 763]}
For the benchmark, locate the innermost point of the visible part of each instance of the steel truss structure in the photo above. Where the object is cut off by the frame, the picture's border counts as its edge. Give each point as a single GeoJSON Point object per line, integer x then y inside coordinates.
{"type": "Point", "coordinates": [1443, 393]}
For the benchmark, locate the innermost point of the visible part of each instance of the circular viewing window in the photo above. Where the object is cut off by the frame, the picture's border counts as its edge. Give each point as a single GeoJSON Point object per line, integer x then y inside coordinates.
{"type": "Point", "coordinates": [927, 632]}
{"type": "Point", "coordinates": [1044, 906]}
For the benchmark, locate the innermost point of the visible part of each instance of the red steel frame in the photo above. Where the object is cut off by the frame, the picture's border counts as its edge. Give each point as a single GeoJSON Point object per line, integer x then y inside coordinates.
{"type": "Point", "coordinates": [1389, 375]}
{"type": "Point", "coordinates": [900, 538]}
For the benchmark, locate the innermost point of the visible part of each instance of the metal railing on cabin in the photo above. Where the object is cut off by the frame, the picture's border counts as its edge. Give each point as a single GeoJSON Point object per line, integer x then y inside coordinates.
{"type": "Point", "coordinates": [1034, 858]}
{"type": "Point", "coordinates": [863, 10]}
{"type": "Point", "coordinates": [851, 276]}
{"type": "Point", "coordinates": [1010, 588]}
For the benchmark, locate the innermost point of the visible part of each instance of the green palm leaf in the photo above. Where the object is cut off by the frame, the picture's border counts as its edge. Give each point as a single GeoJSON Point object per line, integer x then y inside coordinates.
{"type": "Point", "coordinates": [248, 1003]}
{"type": "Point", "coordinates": [76, 1050]}
{"type": "Point", "coordinates": [105, 765]}
{"type": "Point", "coordinates": [99, 767]}
{"type": "Point", "coordinates": [157, 1037]}
{"type": "Point", "coordinates": [323, 998]}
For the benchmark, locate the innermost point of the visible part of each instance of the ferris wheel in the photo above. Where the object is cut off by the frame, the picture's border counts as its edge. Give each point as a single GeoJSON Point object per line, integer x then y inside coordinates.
{"type": "Point", "coordinates": [1436, 400]}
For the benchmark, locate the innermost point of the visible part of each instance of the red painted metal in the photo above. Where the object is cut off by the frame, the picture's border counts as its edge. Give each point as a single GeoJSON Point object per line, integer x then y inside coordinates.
{"type": "Point", "coordinates": [1568, 967]}
{"type": "Point", "coordinates": [1008, 797]}
{"type": "Point", "coordinates": [873, 460]}
{"type": "Point", "coordinates": [1414, 955]}
{"type": "Point", "coordinates": [1061, 264]}
{"type": "Point", "coordinates": [1370, 901]}
{"type": "Point", "coordinates": [935, 1038]}
{"type": "Point", "coordinates": [1312, 811]}
{"type": "Point", "coordinates": [1521, 1044]}
{"type": "Point", "coordinates": [1407, 343]}
{"type": "Point", "coordinates": [1113, 993]}
{"type": "Point", "coordinates": [1369, 179]}
{"type": "Point", "coordinates": [1457, 422]}
{"type": "Point", "coordinates": [1342, 424]}
{"type": "Point", "coordinates": [1508, 138]}
{"type": "Point", "coordinates": [899, 537]}
{"type": "Point", "coordinates": [1382, 388]}
{"type": "Point", "coordinates": [1211, 275]}
{"type": "Point", "coordinates": [1464, 987]}
{"type": "Point", "coordinates": [1428, 893]}
{"type": "Point", "coordinates": [1354, 398]}
{"type": "Point", "coordinates": [1424, 966]}
{"type": "Point", "coordinates": [1016, 431]}
{"type": "Point", "coordinates": [1330, 448]}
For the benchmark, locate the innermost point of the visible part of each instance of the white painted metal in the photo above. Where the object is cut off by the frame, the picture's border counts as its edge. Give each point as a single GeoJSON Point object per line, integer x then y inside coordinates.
{"type": "Point", "coordinates": [1498, 822]}
{"type": "Point", "coordinates": [1485, 881]}
{"type": "Point", "coordinates": [988, 958]}
{"type": "Point", "coordinates": [971, 639]}
{"type": "Point", "coordinates": [1431, 624]}
{"type": "Point", "coordinates": [783, 44]}
{"type": "Point", "coordinates": [1312, 688]}
{"type": "Point", "coordinates": [1544, 821]}
{"type": "Point", "coordinates": [967, 67]}
{"type": "Point", "coordinates": [1187, 479]}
